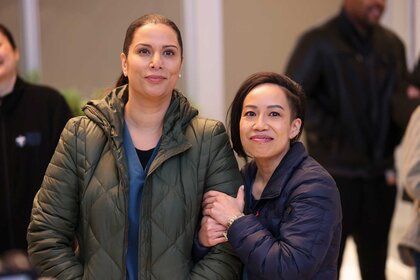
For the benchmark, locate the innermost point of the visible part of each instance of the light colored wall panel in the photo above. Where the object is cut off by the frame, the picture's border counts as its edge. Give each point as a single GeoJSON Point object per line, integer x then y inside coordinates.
{"type": "Point", "coordinates": [83, 39]}
{"type": "Point", "coordinates": [260, 35]}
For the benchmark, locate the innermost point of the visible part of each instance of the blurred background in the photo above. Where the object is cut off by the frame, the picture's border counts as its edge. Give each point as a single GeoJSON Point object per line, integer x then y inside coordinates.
{"type": "Point", "coordinates": [75, 45]}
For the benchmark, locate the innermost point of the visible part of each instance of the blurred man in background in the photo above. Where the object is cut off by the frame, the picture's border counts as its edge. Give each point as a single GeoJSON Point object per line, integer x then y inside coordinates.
{"type": "Point", "coordinates": [353, 71]}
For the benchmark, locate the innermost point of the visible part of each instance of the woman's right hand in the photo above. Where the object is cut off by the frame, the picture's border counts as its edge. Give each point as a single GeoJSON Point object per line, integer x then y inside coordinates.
{"type": "Point", "coordinates": [223, 207]}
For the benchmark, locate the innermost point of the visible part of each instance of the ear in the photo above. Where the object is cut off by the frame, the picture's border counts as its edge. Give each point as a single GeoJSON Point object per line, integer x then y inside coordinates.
{"type": "Point", "coordinates": [180, 69]}
{"type": "Point", "coordinates": [123, 59]}
{"type": "Point", "coordinates": [295, 128]}
{"type": "Point", "coordinates": [17, 54]}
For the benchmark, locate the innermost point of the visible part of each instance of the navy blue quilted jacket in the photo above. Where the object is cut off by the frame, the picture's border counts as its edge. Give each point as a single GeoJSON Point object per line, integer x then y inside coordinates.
{"type": "Point", "coordinates": [294, 230]}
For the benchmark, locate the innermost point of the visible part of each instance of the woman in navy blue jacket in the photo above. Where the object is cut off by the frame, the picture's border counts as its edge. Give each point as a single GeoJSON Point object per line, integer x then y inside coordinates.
{"type": "Point", "coordinates": [290, 224]}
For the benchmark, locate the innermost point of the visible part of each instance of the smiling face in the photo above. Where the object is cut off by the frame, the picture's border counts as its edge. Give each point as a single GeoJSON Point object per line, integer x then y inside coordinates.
{"type": "Point", "coordinates": [153, 61]}
{"type": "Point", "coordinates": [266, 126]}
{"type": "Point", "coordinates": [9, 59]}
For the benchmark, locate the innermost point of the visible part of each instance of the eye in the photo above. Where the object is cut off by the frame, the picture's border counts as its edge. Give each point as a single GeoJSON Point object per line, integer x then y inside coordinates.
{"type": "Point", "coordinates": [168, 53]}
{"type": "Point", "coordinates": [274, 114]}
{"type": "Point", "coordinates": [249, 114]}
{"type": "Point", "coordinates": [143, 51]}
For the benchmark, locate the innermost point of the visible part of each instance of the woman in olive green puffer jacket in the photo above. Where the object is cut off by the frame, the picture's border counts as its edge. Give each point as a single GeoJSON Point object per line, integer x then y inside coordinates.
{"type": "Point", "coordinates": [84, 196]}
{"type": "Point", "coordinates": [87, 193]}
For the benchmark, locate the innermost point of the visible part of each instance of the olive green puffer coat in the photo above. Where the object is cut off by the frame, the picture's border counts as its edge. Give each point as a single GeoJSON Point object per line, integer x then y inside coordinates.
{"type": "Point", "coordinates": [85, 189]}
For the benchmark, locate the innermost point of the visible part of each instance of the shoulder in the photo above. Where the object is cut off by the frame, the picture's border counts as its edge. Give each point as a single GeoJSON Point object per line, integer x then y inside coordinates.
{"type": "Point", "coordinates": [40, 89]}
{"type": "Point", "coordinates": [320, 33]}
{"type": "Point", "coordinates": [207, 126]}
{"type": "Point", "coordinates": [387, 36]}
{"type": "Point", "coordinates": [46, 93]}
{"type": "Point", "coordinates": [80, 127]}
{"type": "Point", "coordinates": [311, 178]}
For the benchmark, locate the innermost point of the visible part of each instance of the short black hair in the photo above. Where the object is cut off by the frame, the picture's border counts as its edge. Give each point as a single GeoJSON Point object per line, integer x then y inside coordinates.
{"type": "Point", "coordinates": [6, 32]}
{"type": "Point", "coordinates": [294, 94]}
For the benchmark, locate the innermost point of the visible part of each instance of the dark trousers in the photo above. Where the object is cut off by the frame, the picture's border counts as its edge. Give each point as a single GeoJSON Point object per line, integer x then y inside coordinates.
{"type": "Point", "coordinates": [367, 205]}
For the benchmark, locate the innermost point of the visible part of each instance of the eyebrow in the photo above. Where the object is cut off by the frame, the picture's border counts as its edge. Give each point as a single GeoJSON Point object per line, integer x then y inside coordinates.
{"type": "Point", "coordinates": [269, 107]}
{"type": "Point", "coordinates": [164, 46]}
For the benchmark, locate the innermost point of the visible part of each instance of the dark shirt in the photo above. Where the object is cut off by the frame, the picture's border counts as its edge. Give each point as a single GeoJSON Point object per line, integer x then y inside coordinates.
{"type": "Point", "coordinates": [31, 120]}
{"type": "Point", "coordinates": [144, 156]}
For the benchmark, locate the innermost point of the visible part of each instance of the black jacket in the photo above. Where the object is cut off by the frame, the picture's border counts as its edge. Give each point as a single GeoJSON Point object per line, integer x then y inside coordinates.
{"type": "Point", "coordinates": [31, 120]}
{"type": "Point", "coordinates": [351, 82]}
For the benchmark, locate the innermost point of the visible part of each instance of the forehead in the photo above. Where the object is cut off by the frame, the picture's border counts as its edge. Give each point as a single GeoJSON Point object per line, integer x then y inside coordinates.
{"type": "Point", "coordinates": [266, 93]}
{"type": "Point", "coordinates": [155, 33]}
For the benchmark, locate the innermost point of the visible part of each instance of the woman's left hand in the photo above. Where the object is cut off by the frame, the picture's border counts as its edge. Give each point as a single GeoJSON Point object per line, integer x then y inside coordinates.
{"type": "Point", "coordinates": [223, 207]}
{"type": "Point", "coordinates": [211, 232]}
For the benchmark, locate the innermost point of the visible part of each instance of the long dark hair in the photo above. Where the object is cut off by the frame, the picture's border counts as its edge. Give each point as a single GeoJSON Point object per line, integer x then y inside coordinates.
{"type": "Point", "coordinates": [146, 19]}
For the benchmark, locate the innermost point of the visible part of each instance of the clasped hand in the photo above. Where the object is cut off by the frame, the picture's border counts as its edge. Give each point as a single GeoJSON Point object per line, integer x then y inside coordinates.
{"type": "Point", "coordinates": [218, 209]}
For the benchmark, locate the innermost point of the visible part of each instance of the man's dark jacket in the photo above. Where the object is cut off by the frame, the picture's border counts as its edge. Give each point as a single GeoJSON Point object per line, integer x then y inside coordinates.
{"type": "Point", "coordinates": [31, 120]}
{"type": "Point", "coordinates": [354, 84]}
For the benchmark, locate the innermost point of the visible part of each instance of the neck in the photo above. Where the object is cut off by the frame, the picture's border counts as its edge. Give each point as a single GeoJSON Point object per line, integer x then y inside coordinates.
{"type": "Point", "coordinates": [145, 121]}
{"type": "Point", "coordinates": [265, 169]}
{"type": "Point", "coordinates": [361, 27]}
{"type": "Point", "coordinates": [7, 84]}
{"type": "Point", "coordinates": [264, 172]}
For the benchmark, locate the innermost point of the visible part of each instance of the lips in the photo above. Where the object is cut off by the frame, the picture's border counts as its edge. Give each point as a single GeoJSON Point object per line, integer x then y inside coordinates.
{"type": "Point", "coordinates": [261, 138]}
{"type": "Point", "coordinates": [155, 78]}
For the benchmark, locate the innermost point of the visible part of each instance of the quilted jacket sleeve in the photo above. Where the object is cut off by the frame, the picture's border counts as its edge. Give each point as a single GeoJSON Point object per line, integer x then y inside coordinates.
{"type": "Point", "coordinates": [222, 175]}
{"type": "Point", "coordinates": [55, 213]}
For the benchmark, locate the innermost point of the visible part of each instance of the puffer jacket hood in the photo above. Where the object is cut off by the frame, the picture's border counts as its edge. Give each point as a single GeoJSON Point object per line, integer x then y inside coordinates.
{"type": "Point", "coordinates": [108, 113]}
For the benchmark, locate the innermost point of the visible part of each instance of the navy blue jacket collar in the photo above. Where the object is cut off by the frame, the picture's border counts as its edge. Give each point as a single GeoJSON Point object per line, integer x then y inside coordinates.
{"type": "Point", "coordinates": [292, 160]}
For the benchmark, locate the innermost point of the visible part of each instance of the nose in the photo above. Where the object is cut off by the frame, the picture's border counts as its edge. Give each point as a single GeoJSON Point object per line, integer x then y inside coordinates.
{"type": "Point", "coordinates": [156, 61]}
{"type": "Point", "coordinates": [260, 123]}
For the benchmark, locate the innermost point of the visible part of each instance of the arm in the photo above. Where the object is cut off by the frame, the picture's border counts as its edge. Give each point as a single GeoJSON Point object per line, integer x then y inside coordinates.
{"type": "Point", "coordinates": [413, 90]}
{"type": "Point", "coordinates": [415, 75]}
{"type": "Point", "coordinates": [410, 150]}
{"type": "Point", "coordinates": [222, 175]}
{"type": "Point", "coordinates": [306, 233]}
{"type": "Point", "coordinates": [55, 213]}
